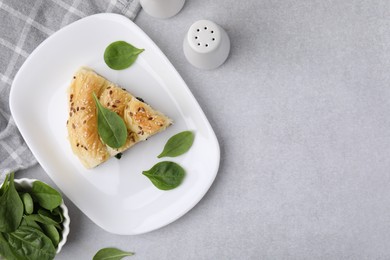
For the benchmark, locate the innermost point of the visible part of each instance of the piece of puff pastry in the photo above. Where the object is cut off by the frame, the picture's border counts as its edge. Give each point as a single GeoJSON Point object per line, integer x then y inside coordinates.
{"type": "Point", "coordinates": [141, 120]}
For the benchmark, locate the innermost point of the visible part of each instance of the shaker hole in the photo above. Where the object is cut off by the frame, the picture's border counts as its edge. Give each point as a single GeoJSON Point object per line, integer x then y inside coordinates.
{"type": "Point", "coordinates": [206, 45]}
{"type": "Point", "coordinates": [212, 31]}
{"type": "Point", "coordinates": [197, 30]}
{"type": "Point", "coordinates": [205, 28]}
{"type": "Point", "coordinates": [196, 37]}
{"type": "Point", "coordinates": [198, 44]}
{"type": "Point", "coordinates": [213, 39]}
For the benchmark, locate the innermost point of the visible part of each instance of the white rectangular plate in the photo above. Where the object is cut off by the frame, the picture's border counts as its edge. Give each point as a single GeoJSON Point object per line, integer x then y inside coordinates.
{"type": "Point", "coordinates": [115, 195]}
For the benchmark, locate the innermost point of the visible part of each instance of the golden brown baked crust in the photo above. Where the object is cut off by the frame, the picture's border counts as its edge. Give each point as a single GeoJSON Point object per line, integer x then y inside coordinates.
{"type": "Point", "coordinates": [141, 120]}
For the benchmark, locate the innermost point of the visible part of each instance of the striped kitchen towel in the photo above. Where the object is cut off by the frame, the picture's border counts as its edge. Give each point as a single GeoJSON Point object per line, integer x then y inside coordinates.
{"type": "Point", "coordinates": [24, 25]}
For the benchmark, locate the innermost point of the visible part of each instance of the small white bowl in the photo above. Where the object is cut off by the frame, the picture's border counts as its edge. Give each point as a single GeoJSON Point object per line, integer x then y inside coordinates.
{"type": "Point", "coordinates": [26, 183]}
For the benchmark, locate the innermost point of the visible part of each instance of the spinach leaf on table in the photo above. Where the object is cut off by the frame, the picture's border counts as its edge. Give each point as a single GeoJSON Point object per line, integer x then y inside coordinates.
{"type": "Point", "coordinates": [111, 253]}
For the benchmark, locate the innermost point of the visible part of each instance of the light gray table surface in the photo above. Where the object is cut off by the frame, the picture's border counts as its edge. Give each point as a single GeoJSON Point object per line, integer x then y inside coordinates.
{"type": "Point", "coordinates": [301, 112]}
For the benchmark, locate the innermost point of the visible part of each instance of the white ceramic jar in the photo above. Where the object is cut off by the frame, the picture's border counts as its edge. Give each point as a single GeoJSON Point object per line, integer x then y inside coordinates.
{"type": "Point", "coordinates": [162, 8]}
{"type": "Point", "coordinates": [206, 45]}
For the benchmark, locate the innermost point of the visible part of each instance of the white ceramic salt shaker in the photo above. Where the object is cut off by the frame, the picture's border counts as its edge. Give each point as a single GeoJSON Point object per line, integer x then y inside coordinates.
{"type": "Point", "coordinates": [162, 8]}
{"type": "Point", "coordinates": [206, 45]}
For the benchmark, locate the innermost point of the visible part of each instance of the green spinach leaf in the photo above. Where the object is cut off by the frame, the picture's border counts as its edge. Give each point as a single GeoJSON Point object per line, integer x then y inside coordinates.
{"type": "Point", "coordinates": [30, 223]}
{"type": "Point", "coordinates": [41, 219]}
{"type": "Point", "coordinates": [5, 249]}
{"type": "Point", "coordinates": [178, 144]}
{"type": "Point", "coordinates": [5, 185]}
{"type": "Point", "coordinates": [47, 197]}
{"type": "Point", "coordinates": [57, 212]}
{"type": "Point", "coordinates": [111, 253]}
{"type": "Point", "coordinates": [121, 55]}
{"type": "Point", "coordinates": [111, 127]}
{"type": "Point", "coordinates": [28, 203]}
{"type": "Point", "coordinates": [52, 232]}
{"type": "Point", "coordinates": [165, 175]}
{"type": "Point", "coordinates": [45, 214]}
{"type": "Point", "coordinates": [31, 242]}
{"type": "Point", "coordinates": [11, 207]}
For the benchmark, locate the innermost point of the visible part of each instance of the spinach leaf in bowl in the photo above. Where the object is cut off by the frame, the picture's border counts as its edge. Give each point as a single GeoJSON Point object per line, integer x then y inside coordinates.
{"type": "Point", "coordinates": [11, 206]}
{"type": "Point", "coordinates": [28, 240]}
{"type": "Point", "coordinates": [35, 234]}
{"type": "Point", "coordinates": [47, 197]}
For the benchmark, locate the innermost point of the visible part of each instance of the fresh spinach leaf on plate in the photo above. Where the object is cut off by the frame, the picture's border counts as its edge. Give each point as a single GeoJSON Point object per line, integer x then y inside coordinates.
{"type": "Point", "coordinates": [165, 175]}
{"type": "Point", "coordinates": [111, 127]}
{"type": "Point", "coordinates": [120, 55]}
{"type": "Point", "coordinates": [178, 144]}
